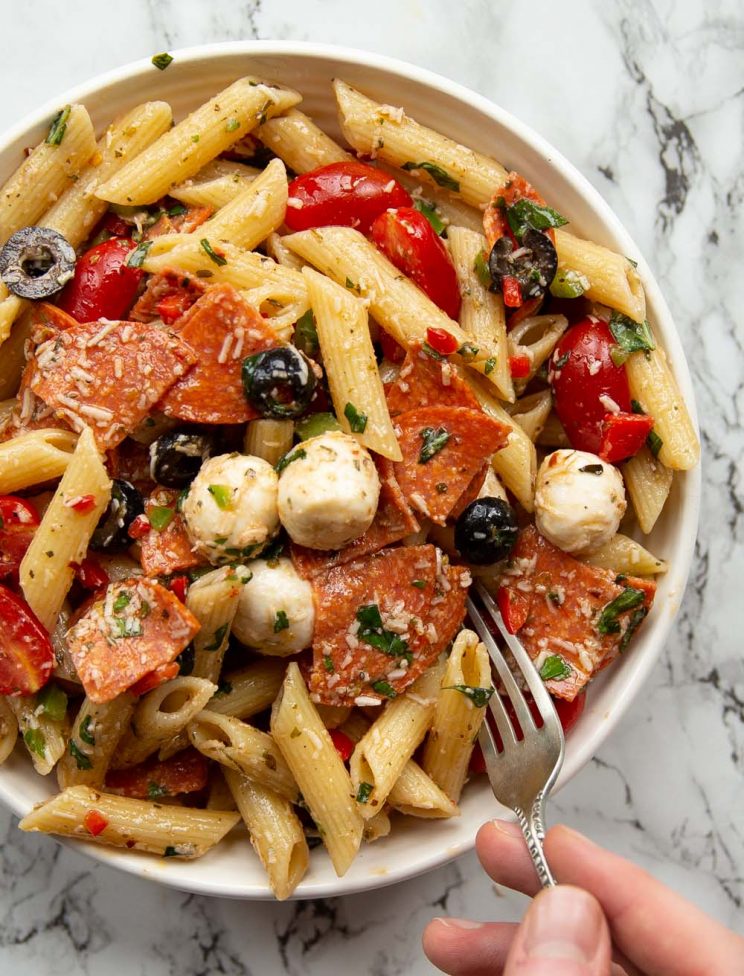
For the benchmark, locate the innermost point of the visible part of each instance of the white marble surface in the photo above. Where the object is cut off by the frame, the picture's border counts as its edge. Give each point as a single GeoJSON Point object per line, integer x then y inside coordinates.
{"type": "Point", "coordinates": [647, 98]}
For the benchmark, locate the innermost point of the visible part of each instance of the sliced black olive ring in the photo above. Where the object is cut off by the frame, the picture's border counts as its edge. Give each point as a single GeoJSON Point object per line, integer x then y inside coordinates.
{"type": "Point", "coordinates": [176, 457]}
{"type": "Point", "coordinates": [279, 382]}
{"type": "Point", "coordinates": [36, 262]}
{"type": "Point", "coordinates": [112, 531]}
{"type": "Point", "coordinates": [486, 531]}
{"type": "Point", "coordinates": [533, 263]}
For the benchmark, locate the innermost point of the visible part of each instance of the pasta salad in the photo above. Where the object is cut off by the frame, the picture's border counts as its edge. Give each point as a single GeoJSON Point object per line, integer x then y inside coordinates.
{"type": "Point", "coordinates": [268, 404]}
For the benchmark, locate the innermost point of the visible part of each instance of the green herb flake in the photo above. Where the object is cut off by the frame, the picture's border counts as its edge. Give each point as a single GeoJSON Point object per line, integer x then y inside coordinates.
{"type": "Point", "coordinates": [384, 688]}
{"type": "Point", "coordinates": [636, 407]}
{"type": "Point", "coordinates": [419, 584]}
{"type": "Point", "coordinates": [654, 443]}
{"type": "Point", "coordinates": [478, 696]}
{"type": "Point", "coordinates": [155, 791]}
{"type": "Point", "coordinates": [480, 266]}
{"type": "Point", "coordinates": [629, 599]}
{"type": "Point", "coordinates": [364, 792]}
{"type": "Point", "coordinates": [373, 633]}
{"type": "Point", "coordinates": [294, 455]}
{"type": "Point", "coordinates": [217, 639]}
{"type": "Point", "coordinates": [440, 176]}
{"type": "Point", "coordinates": [53, 702]}
{"type": "Point", "coordinates": [432, 353]}
{"type": "Point", "coordinates": [177, 210]}
{"type": "Point", "coordinates": [434, 439]}
{"type": "Point", "coordinates": [84, 733]}
{"type": "Point", "coordinates": [357, 419]}
{"type": "Point", "coordinates": [58, 127]}
{"type": "Point", "coordinates": [281, 622]}
{"type": "Point", "coordinates": [306, 334]}
{"type": "Point", "coordinates": [219, 259]}
{"type": "Point", "coordinates": [431, 213]}
{"type": "Point", "coordinates": [631, 261]}
{"type": "Point", "coordinates": [35, 742]}
{"type": "Point", "coordinates": [468, 351]}
{"type": "Point", "coordinates": [561, 362]}
{"type": "Point", "coordinates": [162, 60]}
{"type": "Point", "coordinates": [126, 628]}
{"type": "Point", "coordinates": [631, 336]}
{"type": "Point", "coordinates": [442, 487]}
{"type": "Point", "coordinates": [122, 601]}
{"type": "Point", "coordinates": [223, 496]}
{"type": "Point", "coordinates": [490, 365]}
{"type": "Point", "coordinates": [295, 734]}
{"type": "Point", "coordinates": [350, 285]}
{"type": "Point", "coordinates": [137, 257]}
{"type": "Point", "coordinates": [592, 469]}
{"type": "Point", "coordinates": [526, 214]}
{"type": "Point", "coordinates": [82, 761]}
{"type": "Point", "coordinates": [161, 516]}
{"type": "Point", "coordinates": [569, 284]}
{"type": "Point", "coordinates": [232, 125]}
{"type": "Point", "coordinates": [170, 851]}
{"type": "Point", "coordinates": [328, 663]}
{"type": "Point", "coordinates": [554, 668]}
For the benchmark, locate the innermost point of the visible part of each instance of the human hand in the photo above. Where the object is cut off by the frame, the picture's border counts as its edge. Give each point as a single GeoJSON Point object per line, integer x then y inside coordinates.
{"type": "Point", "coordinates": [567, 929]}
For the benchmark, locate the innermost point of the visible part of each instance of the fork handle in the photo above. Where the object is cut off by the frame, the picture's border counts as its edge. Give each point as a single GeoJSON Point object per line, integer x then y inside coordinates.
{"type": "Point", "coordinates": [534, 835]}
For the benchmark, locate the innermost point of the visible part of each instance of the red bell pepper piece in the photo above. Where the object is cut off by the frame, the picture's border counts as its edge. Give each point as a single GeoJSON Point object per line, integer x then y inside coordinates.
{"type": "Point", "coordinates": [95, 822]}
{"type": "Point", "coordinates": [441, 341]}
{"type": "Point", "coordinates": [623, 435]}
{"type": "Point", "coordinates": [519, 366]}
{"type": "Point", "coordinates": [344, 745]}
{"type": "Point", "coordinates": [511, 291]}
{"type": "Point", "coordinates": [514, 609]}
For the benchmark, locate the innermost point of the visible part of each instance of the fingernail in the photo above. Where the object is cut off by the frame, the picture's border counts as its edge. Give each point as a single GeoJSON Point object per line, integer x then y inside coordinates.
{"type": "Point", "coordinates": [508, 828]}
{"type": "Point", "coordinates": [564, 923]}
{"type": "Point", "coordinates": [458, 923]}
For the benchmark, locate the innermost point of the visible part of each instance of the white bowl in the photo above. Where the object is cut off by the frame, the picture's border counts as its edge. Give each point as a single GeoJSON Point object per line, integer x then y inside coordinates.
{"type": "Point", "coordinates": [196, 74]}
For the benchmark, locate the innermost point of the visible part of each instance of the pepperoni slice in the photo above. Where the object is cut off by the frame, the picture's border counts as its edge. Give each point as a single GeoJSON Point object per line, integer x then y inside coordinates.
{"type": "Point", "coordinates": [187, 772]}
{"type": "Point", "coordinates": [166, 548]}
{"type": "Point", "coordinates": [175, 288]}
{"type": "Point", "coordinates": [425, 381]}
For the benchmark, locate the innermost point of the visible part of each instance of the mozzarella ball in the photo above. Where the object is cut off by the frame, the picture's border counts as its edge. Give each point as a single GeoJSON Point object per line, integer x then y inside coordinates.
{"type": "Point", "coordinates": [328, 496]}
{"type": "Point", "coordinates": [276, 613]}
{"type": "Point", "coordinates": [579, 500]}
{"type": "Point", "coordinates": [230, 509]}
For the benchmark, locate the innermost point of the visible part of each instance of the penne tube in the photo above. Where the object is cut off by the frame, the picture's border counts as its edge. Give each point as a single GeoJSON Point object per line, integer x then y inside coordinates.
{"type": "Point", "coordinates": [268, 439]}
{"type": "Point", "coordinates": [246, 750]}
{"type": "Point", "coordinates": [351, 367]}
{"type": "Point", "coordinates": [8, 729]}
{"type": "Point", "coordinates": [482, 312]}
{"type": "Point", "coordinates": [613, 280]}
{"type": "Point", "coordinates": [213, 599]}
{"type": "Point", "coordinates": [95, 734]}
{"type": "Point", "coordinates": [220, 797]}
{"type": "Point", "coordinates": [380, 756]}
{"type": "Point", "coordinates": [648, 482]}
{"type": "Point", "coordinates": [47, 171]}
{"type": "Point", "coordinates": [626, 557]}
{"type": "Point", "coordinates": [532, 412]}
{"type": "Point", "coordinates": [33, 458]}
{"type": "Point", "coordinates": [377, 827]}
{"type": "Point", "coordinates": [185, 149]}
{"type": "Point", "coordinates": [387, 133]}
{"type": "Point", "coordinates": [552, 434]}
{"type": "Point", "coordinates": [535, 337]}
{"type": "Point", "coordinates": [139, 825]}
{"type": "Point", "coordinates": [456, 718]}
{"type": "Point", "coordinates": [278, 250]}
{"type": "Point", "coordinates": [44, 737]}
{"type": "Point", "coordinates": [333, 716]}
{"type": "Point", "coordinates": [318, 770]}
{"type": "Point", "coordinates": [298, 141]}
{"type": "Point", "coordinates": [216, 184]}
{"type": "Point", "coordinates": [13, 338]}
{"type": "Point", "coordinates": [275, 831]}
{"type": "Point", "coordinates": [417, 795]}
{"type": "Point", "coordinates": [251, 690]}
{"type": "Point", "coordinates": [48, 567]}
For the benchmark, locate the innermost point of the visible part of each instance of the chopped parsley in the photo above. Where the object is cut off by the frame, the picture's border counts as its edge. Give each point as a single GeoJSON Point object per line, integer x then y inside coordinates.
{"type": "Point", "coordinates": [384, 688]}
{"type": "Point", "coordinates": [84, 733]}
{"type": "Point", "coordinates": [232, 125]}
{"type": "Point", "coordinates": [364, 792]}
{"type": "Point", "coordinates": [350, 285]}
{"type": "Point", "coordinates": [162, 60]}
{"type": "Point", "coordinates": [122, 601]}
{"type": "Point", "coordinates": [82, 761]}
{"type": "Point", "coordinates": [629, 599]}
{"type": "Point", "coordinates": [561, 361]}
{"type": "Point", "coordinates": [281, 622]}
{"type": "Point", "coordinates": [288, 458]}
{"type": "Point", "coordinates": [432, 215]}
{"type": "Point", "coordinates": [634, 621]}
{"type": "Point", "coordinates": [155, 791]}
{"type": "Point", "coordinates": [58, 127]}
{"type": "Point", "coordinates": [35, 742]}
{"type": "Point", "coordinates": [467, 350]}
{"type": "Point", "coordinates": [219, 259]}
{"type": "Point", "coordinates": [630, 337]}
{"type": "Point", "coordinates": [419, 584]}
{"type": "Point", "coordinates": [554, 668]}
{"type": "Point", "coordinates": [137, 258]}
{"type": "Point", "coordinates": [372, 632]}
{"type": "Point", "coordinates": [431, 351]}
{"type": "Point", "coordinates": [490, 365]}
{"type": "Point", "coordinates": [306, 335]}
{"type": "Point", "coordinates": [480, 266]}
{"type": "Point", "coordinates": [357, 420]}
{"type": "Point", "coordinates": [440, 176]}
{"type": "Point", "coordinates": [170, 851]}
{"type": "Point", "coordinates": [526, 214]}
{"type": "Point", "coordinates": [328, 663]}
{"type": "Point", "coordinates": [478, 696]}
{"type": "Point", "coordinates": [222, 495]}
{"type": "Point", "coordinates": [654, 443]}
{"type": "Point", "coordinates": [218, 637]}
{"type": "Point", "coordinates": [177, 210]}
{"type": "Point", "coordinates": [434, 439]}
{"type": "Point", "coordinates": [161, 517]}
{"type": "Point", "coordinates": [126, 627]}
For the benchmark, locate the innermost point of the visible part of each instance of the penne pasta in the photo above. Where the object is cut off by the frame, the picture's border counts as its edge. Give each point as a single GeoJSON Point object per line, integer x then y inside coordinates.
{"type": "Point", "coordinates": [213, 600]}
{"type": "Point", "coordinates": [33, 458]}
{"type": "Point", "coordinates": [47, 569]}
{"type": "Point", "coordinates": [387, 133]}
{"type": "Point", "coordinates": [613, 280]}
{"type": "Point", "coordinates": [417, 795]}
{"type": "Point", "coordinates": [8, 729]}
{"type": "Point", "coordinates": [298, 141]}
{"type": "Point", "coordinates": [625, 556]}
{"type": "Point", "coordinates": [216, 184]}
{"type": "Point", "coordinates": [648, 482]}
{"type": "Point", "coordinates": [351, 367]}
{"type": "Point", "coordinates": [532, 412]}
{"type": "Point", "coordinates": [182, 151]}
{"type": "Point", "coordinates": [139, 825]}
{"type": "Point", "coordinates": [535, 337]}
{"type": "Point", "coordinates": [44, 737]}
{"type": "Point", "coordinates": [318, 770]}
{"type": "Point", "coordinates": [268, 439]}
{"type": "Point", "coordinates": [450, 208]}
{"type": "Point", "coordinates": [251, 690]}
{"type": "Point", "coordinates": [552, 434]}
{"type": "Point", "coordinates": [377, 827]}
{"type": "Point", "coordinates": [14, 336]}
{"type": "Point", "coordinates": [277, 249]}
{"type": "Point", "coordinates": [95, 734]}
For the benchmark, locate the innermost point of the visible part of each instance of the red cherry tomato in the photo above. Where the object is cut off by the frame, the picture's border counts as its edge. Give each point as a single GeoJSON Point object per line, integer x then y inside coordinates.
{"type": "Point", "coordinates": [623, 435]}
{"type": "Point", "coordinates": [95, 822]}
{"type": "Point", "coordinates": [173, 306]}
{"type": "Point", "coordinates": [104, 285]}
{"type": "Point", "coordinates": [582, 371]}
{"type": "Point", "coordinates": [18, 521]}
{"type": "Point", "coordinates": [519, 366]}
{"type": "Point", "coordinates": [569, 712]}
{"type": "Point", "coordinates": [407, 239]}
{"type": "Point", "coordinates": [17, 511]}
{"type": "Point", "coordinates": [114, 225]}
{"type": "Point", "coordinates": [349, 194]}
{"type": "Point", "coordinates": [344, 745]}
{"type": "Point", "coordinates": [441, 341]}
{"type": "Point", "coordinates": [514, 608]}
{"type": "Point", "coordinates": [477, 762]}
{"type": "Point", "coordinates": [91, 574]}
{"type": "Point", "coordinates": [26, 653]}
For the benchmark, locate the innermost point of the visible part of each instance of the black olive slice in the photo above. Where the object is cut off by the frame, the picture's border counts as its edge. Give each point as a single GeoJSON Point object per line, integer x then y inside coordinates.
{"type": "Point", "coordinates": [486, 531]}
{"type": "Point", "coordinates": [36, 262]}
{"type": "Point", "coordinates": [279, 382]}
{"type": "Point", "coordinates": [533, 263]}
{"type": "Point", "coordinates": [112, 531]}
{"type": "Point", "coordinates": [176, 457]}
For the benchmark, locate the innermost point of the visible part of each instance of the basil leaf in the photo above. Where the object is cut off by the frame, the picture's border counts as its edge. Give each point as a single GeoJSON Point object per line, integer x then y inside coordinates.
{"type": "Point", "coordinates": [53, 701]}
{"type": "Point", "coordinates": [364, 792]}
{"type": "Point", "coordinates": [631, 336]}
{"type": "Point", "coordinates": [306, 335]}
{"type": "Point", "coordinates": [161, 516]}
{"type": "Point", "coordinates": [294, 455]}
{"type": "Point", "coordinates": [592, 469]}
{"type": "Point", "coordinates": [219, 259]}
{"type": "Point", "coordinates": [627, 600]}
{"type": "Point", "coordinates": [137, 258]}
{"type": "Point", "coordinates": [526, 214]}
{"type": "Point", "coordinates": [222, 495]}
{"type": "Point", "coordinates": [84, 733]}
{"type": "Point", "coordinates": [219, 636]}
{"type": "Point", "coordinates": [434, 439]}
{"type": "Point", "coordinates": [58, 127]}
{"type": "Point", "coordinates": [161, 61]}
{"type": "Point", "coordinates": [554, 668]}
{"type": "Point", "coordinates": [369, 615]}
{"type": "Point", "coordinates": [373, 633]}
{"type": "Point", "coordinates": [478, 696]}
{"type": "Point", "coordinates": [634, 621]}
{"type": "Point", "coordinates": [281, 622]}
{"type": "Point", "coordinates": [439, 175]}
{"type": "Point", "coordinates": [384, 688]}
{"type": "Point", "coordinates": [432, 215]}
{"type": "Point", "coordinates": [82, 761]}
{"type": "Point", "coordinates": [357, 420]}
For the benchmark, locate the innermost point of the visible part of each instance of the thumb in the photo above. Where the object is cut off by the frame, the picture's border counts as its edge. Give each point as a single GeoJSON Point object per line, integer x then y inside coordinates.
{"type": "Point", "coordinates": [564, 933]}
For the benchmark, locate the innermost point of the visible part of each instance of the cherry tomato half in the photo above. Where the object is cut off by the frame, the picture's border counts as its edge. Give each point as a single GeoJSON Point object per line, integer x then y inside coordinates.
{"type": "Point", "coordinates": [581, 372]}
{"type": "Point", "coordinates": [349, 194]}
{"type": "Point", "coordinates": [17, 511]}
{"type": "Point", "coordinates": [407, 239]}
{"type": "Point", "coordinates": [18, 521]}
{"type": "Point", "coordinates": [26, 653]}
{"type": "Point", "coordinates": [104, 286]}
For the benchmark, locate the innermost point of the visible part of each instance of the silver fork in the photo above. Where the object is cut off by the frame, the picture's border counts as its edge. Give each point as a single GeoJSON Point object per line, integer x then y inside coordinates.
{"type": "Point", "coordinates": [522, 773]}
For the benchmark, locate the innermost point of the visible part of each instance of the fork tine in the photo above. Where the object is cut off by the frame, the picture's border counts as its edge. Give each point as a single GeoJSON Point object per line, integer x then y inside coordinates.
{"type": "Point", "coordinates": [524, 662]}
{"type": "Point", "coordinates": [521, 708]}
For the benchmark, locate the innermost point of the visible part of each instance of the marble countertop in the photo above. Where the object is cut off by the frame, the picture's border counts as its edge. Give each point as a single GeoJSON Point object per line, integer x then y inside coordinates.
{"type": "Point", "coordinates": [646, 97]}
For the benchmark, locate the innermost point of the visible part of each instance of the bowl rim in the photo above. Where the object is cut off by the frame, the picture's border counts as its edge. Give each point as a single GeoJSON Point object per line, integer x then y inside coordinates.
{"type": "Point", "coordinates": [687, 530]}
